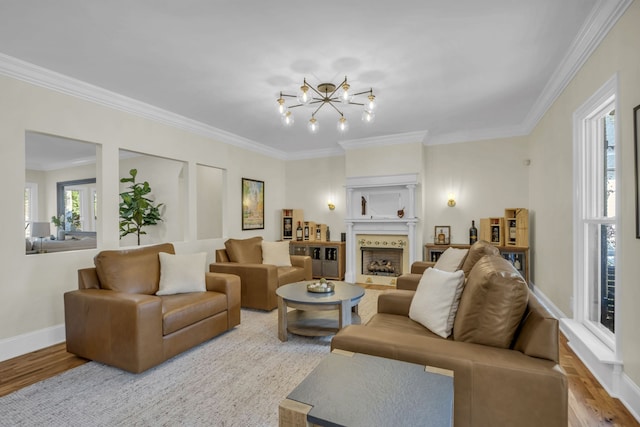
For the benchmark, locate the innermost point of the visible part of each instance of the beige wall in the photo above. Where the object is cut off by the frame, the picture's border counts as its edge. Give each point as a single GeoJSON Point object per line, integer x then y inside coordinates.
{"type": "Point", "coordinates": [484, 176]}
{"type": "Point", "coordinates": [386, 160]}
{"type": "Point", "coordinates": [32, 286]}
{"type": "Point", "coordinates": [310, 185]}
{"type": "Point", "coordinates": [551, 179]}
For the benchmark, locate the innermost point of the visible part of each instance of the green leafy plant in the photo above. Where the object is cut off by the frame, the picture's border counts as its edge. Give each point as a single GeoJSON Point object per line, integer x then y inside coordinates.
{"type": "Point", "coordinates": [137, 210]}
{"type": "Point", "coordinates": [58, 221]}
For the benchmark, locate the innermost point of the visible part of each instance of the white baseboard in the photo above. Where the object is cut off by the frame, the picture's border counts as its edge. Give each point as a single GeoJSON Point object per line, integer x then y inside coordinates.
{"type": "Point", "coordinates": [608, 371]}
{"type": "Point", "coordinates": [31, 341]}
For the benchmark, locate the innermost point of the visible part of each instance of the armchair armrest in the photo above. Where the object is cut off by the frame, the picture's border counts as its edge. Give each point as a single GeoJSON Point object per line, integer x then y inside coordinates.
{"type": "Point", "coordinates": [228, 284]}
{"type": "Point", "coordinates": [419, 267]}
{"type": "Point", "coordinates": [304, 262]}
{"type": "Point", "coordinates": [258, 283]}
{"type": "Point", "coordinates": [119, 329]}
{"type": "Point", "coordinates": [395, 302]}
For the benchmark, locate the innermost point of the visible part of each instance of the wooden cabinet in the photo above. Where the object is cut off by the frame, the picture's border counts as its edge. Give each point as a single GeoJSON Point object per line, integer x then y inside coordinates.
{"type": "Point", "coordinates": [492, 230]}
{"type": "Point", "coordinates": [517, 255]}
{"type": "Point", "coordinates": [516, 227]}
{"type": "Point", "coordinates": [290, 220]}
{"type": "Point", "coordinates": [327, 258]}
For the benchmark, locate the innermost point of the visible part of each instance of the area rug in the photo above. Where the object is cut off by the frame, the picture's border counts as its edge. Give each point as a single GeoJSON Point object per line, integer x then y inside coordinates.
{"type": "Point", "coordinates": [236, 379]}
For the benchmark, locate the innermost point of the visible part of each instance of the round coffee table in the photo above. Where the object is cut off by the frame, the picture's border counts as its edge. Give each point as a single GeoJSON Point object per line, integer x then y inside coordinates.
{"type": "Point", "coordinates": [316, 314]}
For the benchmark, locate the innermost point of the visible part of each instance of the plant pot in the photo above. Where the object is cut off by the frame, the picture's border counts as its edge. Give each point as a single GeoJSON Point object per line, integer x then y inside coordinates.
{"type": "Point", "coordinates": [61, 235]}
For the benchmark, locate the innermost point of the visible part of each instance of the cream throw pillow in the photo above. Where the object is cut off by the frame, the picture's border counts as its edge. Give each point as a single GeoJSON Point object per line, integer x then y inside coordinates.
{"type": "Point", "coordinates": [182, 273]}
{"type": "Point", "coordinates": [433, 303]}
{"type": "Point", "coordinates": [451, 260]}
{"type": "Point", "coordinates": [276, 253]}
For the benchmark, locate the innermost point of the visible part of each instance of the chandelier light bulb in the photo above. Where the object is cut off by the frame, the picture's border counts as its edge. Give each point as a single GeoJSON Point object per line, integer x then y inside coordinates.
{"type": "Point", "coordinates": [371, 104]}
{"type": "Point", "coordinates": [313, 125]}
{"type": "Point", "coordinates": [346, 96]}
{"type": "Point", "coordinates": [343, 125]}
{"type": "Point", "coordinates": [368, 116]}
{"type": "Point", "coordinates": [305, 94]}
{"type": "Point", "coordinates": [282, 109]}
{"type": "Point", "coordinates": [287, 119]}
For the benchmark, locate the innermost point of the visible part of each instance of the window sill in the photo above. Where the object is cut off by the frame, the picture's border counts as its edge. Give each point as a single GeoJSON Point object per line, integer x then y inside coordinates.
{"type": "Point", "coordinates": [577, 333]}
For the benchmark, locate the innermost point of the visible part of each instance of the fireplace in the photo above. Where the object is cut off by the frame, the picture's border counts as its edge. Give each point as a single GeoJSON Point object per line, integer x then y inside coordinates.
{"type": "Point", "coordinates": [382, 258]}
{"type": "Point", "coordinates": [382, 228]}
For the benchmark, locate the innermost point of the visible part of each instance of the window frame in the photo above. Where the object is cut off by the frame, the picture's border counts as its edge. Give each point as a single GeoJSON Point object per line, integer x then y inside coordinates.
{"type": "Point", "coordinates": [586, 169]}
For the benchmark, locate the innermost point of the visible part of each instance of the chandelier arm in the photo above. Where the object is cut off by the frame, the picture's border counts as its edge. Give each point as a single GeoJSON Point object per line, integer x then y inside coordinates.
{"type": "Point", "coordinates": [284, 95]}
{"type": "Point", "coordinates": [318, 109]}
{"type": "Point", "coordinates": [316, 91]}
{"type": "Point", "coordinates": [370, 91]}
{"type": "Point", "coordinates": [336, 89]}
{"type": "Point", "coordinates": [336, 108]}
{"type": "Point", "coordinates": [355, 103]}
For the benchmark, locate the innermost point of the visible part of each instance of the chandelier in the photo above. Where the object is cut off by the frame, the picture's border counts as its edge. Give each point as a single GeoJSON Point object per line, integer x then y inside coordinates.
{"type": "Point", "coordinates": [327, 94]}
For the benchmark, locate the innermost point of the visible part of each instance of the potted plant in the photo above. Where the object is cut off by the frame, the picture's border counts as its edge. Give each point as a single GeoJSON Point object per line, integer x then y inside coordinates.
{"type": "Point", "coordinates": [136, 209]}
{"type": "Point", "coordinates": [58, 221]}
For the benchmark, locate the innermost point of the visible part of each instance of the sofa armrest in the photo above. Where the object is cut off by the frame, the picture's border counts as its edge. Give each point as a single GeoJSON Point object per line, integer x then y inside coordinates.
{"type": "Point", "coordinates": [395, 302]}
{"type": "Point", "coordinates": [264, 273]}
{"type": "Point", "coordinates": [304, 262]}
{"type": "Point", "coordinates": [88, 278]}
{"type": "Point", "coordinates": [119, 329]}
{"type": "Point", "coordinates": [228, 284]}
{"type": "Point", "coordinates": [419, 267]}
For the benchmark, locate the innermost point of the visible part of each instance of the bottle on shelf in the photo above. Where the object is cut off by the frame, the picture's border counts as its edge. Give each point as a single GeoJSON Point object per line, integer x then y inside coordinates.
{"type": "Point", "coordinates": [473, 233]}
{"type": "Point", "coordinates": [328, 234]}
{"type": "Point", "coordinates": [299, 232]}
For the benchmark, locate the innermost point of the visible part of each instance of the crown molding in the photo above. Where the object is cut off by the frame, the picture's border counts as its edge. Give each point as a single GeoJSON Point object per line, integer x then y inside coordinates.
{"type": "Point", "coordinates": [476, 135]}
{"type": "Point", "coordinates": [380, 141]}
{"type": "Point", "coordinates": [39, 76]}
{"type": "Point", "coordinates": [315, 154]}
{"type": "Point", "coordinates": [602, 18]}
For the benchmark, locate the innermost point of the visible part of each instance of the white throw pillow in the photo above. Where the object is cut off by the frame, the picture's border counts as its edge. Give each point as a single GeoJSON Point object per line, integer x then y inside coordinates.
{"type": "Point", "coordinates": [433, 303]}
{"type": "Point", "coordinates": [276, 253]}
{"type": "Point", "coordinates": [451, 260]}
{"type": "Point", "coordinates": [182, 273]}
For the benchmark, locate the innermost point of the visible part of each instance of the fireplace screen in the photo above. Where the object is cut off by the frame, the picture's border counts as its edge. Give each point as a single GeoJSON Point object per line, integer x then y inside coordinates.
{"type": "Point", "coordinates": [381, 261]}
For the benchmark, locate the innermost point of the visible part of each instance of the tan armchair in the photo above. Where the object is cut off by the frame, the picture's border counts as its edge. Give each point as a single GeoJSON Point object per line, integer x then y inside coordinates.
{"type": "Point", "coordinates": [258, 281]}
{"type": "Point", "coordinates": [116, 318]}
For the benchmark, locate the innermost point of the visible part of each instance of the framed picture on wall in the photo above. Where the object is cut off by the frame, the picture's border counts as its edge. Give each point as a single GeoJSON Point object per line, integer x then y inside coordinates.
{"type": "Point", "coordinates": [441, 234]}
{"type": "Point", "coordinates": [636, 138]}
{"type": "Point", "coordinates": [252, 204]}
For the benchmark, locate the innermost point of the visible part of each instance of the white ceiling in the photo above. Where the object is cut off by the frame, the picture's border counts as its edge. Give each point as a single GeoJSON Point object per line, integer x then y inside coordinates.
{"type": "Point", "coordinates": [458, 70]}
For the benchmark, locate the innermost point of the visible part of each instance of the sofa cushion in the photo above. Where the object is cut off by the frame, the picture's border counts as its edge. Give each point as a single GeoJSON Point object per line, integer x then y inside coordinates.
{"type": "Point", "coordinates": [182, 273]}
{"type": "Point", "coordinates": [492, 304]}
{"type": "Point", "coordinates": [433, 303]}
{"type": "Point", "coordinates": [288, 275]}
{"type": "Point", "coordinates": [276, 253]}
{"type": "Point", "coordinates": [182, 310]}
{"type": "Point", "coordinates": [477, 251]}
{"type": "Point", "coordinates": [134, 271]}
{"type": "Point", "coordinates": [538, 335]}
{"type": "Point", "coordinates": [245, 251]}
{"type": "Point", "coordinates": [451, 260]}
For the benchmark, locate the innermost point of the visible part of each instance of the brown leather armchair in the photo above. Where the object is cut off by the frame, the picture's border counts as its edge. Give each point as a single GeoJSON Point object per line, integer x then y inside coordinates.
{"type": "Point", "coordinates": [115, 317]}
{"type": "Point", "coordinates": [243, 257]}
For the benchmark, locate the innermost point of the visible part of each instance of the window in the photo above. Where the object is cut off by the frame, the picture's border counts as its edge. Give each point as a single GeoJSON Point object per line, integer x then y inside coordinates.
{"type": "Point", "coordinates": [30, 206]}
{"type": "Point", "coordinates": [595, 215]}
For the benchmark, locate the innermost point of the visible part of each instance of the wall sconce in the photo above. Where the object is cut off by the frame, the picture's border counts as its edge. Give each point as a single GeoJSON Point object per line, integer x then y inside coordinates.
{"type": "Point", "coordinates": [331, 205]}
{"type": "Point", "coordinates": [452, 200]}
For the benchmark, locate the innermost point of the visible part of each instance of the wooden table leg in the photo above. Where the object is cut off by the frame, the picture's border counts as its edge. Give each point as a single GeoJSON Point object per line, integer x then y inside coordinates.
{"type": "Point", "coordinates": [282, 319]}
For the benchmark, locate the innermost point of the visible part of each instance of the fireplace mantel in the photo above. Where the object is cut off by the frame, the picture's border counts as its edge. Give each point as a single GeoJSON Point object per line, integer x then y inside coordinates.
{"type": "Point", "coordinates": [373, 205]}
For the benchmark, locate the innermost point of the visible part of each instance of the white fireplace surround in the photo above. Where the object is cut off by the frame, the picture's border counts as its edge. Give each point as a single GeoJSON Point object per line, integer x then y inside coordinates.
{"type": "Point", "coordinates": [373, 203]}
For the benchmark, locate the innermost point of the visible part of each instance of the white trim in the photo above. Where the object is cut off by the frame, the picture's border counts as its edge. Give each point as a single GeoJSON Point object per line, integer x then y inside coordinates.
{"type": "Point", "coordinates": [33, 74]}
{"type": "Point", "coordinates": [381, 141]}
{"type": "Point", "coordinates": [31, 341]}
{"type": "Point", "coordinates": [604, 366]}
{"type": "Point", "coordinates": [603, 17]}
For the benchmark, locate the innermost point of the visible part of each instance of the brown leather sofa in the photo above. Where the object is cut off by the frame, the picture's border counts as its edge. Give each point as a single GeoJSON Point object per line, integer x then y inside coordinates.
{"type": "Point", "coordinates": [115, 317]}
{"type": "Point", "coordinates": [243, 257]}
{"type": "Point", "coordinates": [520, 384]}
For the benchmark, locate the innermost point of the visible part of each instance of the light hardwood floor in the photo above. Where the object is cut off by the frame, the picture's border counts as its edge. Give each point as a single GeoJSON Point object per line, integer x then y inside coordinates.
{"type": "Point", "coordinates": [589, 403]}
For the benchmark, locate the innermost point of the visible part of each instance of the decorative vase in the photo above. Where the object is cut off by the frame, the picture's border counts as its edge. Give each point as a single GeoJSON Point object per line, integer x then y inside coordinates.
{"type": "Point", "coordinates": [61, 234]}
